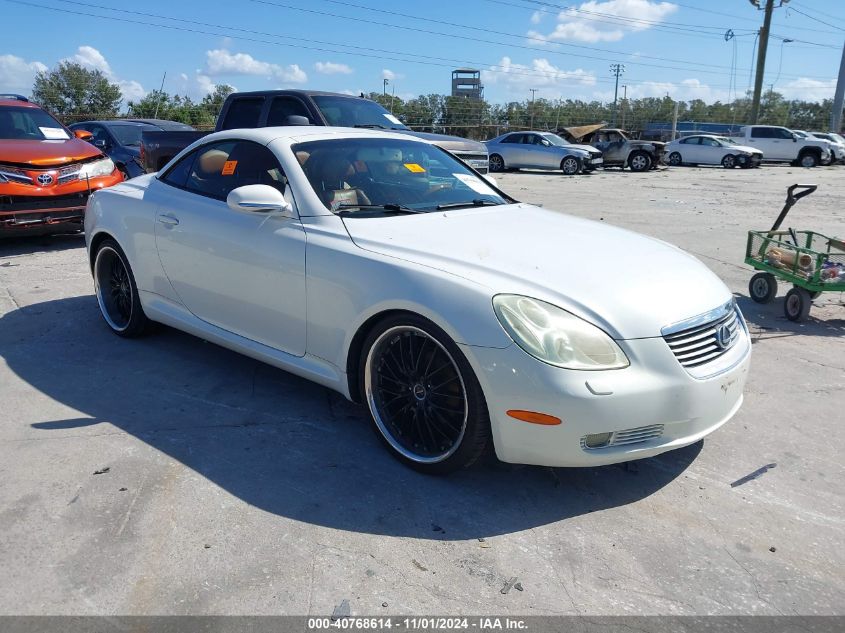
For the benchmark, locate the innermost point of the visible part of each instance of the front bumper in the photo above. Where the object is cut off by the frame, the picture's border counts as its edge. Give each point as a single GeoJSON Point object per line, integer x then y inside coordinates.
{"type": "Point", "coordinates": [592, 162]}
{"type": "Point", "coordinates": [654, 392]}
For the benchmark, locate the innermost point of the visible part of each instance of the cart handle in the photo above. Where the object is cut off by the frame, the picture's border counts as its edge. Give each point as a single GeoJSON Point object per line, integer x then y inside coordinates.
{"type": "Point", "coordinates": [791, 199]}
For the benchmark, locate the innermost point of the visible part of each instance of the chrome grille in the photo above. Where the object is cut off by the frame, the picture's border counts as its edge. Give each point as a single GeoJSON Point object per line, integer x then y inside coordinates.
{"type": "Point", "coordinates": [14, 174]}
{"type": "Point", "coordinates": [706, 342]}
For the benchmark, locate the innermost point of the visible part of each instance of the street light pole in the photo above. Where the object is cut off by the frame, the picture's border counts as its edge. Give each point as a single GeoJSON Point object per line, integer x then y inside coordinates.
{"type": "Point", "coordinates": [533, 90]}
{"type": "Point", "coordinates": [624, 104]}
{"type": "Point", "coordinates": [384, 87]}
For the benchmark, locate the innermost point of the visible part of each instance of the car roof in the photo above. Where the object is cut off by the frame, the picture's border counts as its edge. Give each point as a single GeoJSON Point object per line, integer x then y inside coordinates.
{"type": "Point", "coordinates": [300, 133]}
{"type": "Point", "coordinates": [114, 122]}
{"type": "Point", "coordinates": [162, 123]}
{"type": "Point", "coordinates": [302, 93]}
{"type": "Point", "coordinates": [18, 104]}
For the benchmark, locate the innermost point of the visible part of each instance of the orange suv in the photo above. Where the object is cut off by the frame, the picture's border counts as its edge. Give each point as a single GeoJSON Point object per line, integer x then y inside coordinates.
{"type": "Point", "coordinates": [46, 171]}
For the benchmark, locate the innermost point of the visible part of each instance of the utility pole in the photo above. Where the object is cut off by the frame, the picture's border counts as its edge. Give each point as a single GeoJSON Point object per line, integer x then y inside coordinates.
{"type": "Point", "coordinates": [384, 87]}
{"type": "Point", "coordinates": [763, 46]}
{"type": "Point", "coordinates": [160, 94]}
{"type": "Point", "coordinates": [533, 90]}
{"type": "Point", "coordinates": [557, 116]}
{"type": "Point", "coordinates": [616, 69]}
{"type": "Point", "coordinates": [624, 104]}
{"type": "Point", "coordinates": [836, 115]}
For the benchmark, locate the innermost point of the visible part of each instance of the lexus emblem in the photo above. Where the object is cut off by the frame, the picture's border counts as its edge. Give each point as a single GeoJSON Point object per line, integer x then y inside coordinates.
{"type": "Point", "coordinates": [44, 179]}
{"type": "Point", "coordinates": [723, 337]}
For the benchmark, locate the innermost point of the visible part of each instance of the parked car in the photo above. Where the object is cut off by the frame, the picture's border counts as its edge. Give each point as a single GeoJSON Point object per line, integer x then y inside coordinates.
{"type": "Point", "coordinates": [120, 140]}
{"type": "Point", "coordinates": [837, 141]}
{"type": "Point", "coordinates": [830, 146]}
{"type": "Point", "coordinates": [46, 171]}
{"type": "Point", "coordinates": [780, 144]}
{"type": "Point", "coordinates": [540, 150]}
{"type": "Point", "coordinates": [268, 108]}
{"type": "Point", "coordinates": [383, 267]}
{"type": "Point", "coordinates": [620, 151]}
{"type": "Point", "coordinates": [708, 149]}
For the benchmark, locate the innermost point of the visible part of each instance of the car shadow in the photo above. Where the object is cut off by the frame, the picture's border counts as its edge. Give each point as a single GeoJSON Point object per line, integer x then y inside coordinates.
{"type": "Point", "coordinates": [769, 321]}
{"type": "Point", "coordinates": [282, 443]}
{"type": "Point", "coordinates": [25, 244]}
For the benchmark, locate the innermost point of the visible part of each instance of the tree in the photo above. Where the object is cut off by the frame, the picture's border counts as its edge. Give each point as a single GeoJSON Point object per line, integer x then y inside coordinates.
{"type": "Point", "coordinates": [72, 91]}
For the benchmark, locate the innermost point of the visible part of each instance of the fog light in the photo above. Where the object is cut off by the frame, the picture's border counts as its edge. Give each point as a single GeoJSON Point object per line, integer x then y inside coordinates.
{"type": "Point", "coordinates": [597, 440]}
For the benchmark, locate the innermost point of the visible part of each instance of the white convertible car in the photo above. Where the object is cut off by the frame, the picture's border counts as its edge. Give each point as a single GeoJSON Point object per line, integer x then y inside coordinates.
{"type": "Point", "coordinates": [384, 268]}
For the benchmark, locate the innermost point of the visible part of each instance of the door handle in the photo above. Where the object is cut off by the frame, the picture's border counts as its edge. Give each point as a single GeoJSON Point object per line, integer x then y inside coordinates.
{"type": "Point", "coordinates": [169, 220]}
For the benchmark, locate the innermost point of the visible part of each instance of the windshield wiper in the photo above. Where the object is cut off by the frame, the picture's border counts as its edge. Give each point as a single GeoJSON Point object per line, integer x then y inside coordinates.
{"type": "Point", "coordinates": [372, 125]}
{"type": "Point", "coordinates": [467, 203]}
{"type": "Point", "coordinates": [393, 208]}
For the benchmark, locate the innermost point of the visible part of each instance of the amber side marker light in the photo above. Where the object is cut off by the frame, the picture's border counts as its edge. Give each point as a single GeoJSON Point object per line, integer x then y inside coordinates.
{"type": "Point", "coordinates": [534, 418]}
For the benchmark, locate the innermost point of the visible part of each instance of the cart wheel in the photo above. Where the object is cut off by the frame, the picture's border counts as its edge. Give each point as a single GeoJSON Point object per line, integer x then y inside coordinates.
{"type": "Point", "coordinates": [797, 304]}
{"type": "Point", "coordinates": [763, 287]}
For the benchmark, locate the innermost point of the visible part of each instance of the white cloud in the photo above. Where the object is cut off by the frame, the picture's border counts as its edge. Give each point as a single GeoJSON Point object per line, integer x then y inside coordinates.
{"type": "Point", "coordinates": [389, 74]}
{"type": "Point", "coordinates": [685, 90]}
{"type": "Point", "coordinates": [807, 89]}
{"type": "Point", "coordinates": [91, 58]}
{"type": "Point", "coordinates": [536, 17]}
{"type": "Point", "coordinates": [608, 21]}
{"type": "Point", "coordinates": [221, 61]}
{"type": "Point", "coordinates": [332, 68]}
{"type": "Point", "coordinates": [17, 74]}
{"type": "Point", "coordinates": [541, 74]}
{"type": "Point", "coordinates": [196, 86]}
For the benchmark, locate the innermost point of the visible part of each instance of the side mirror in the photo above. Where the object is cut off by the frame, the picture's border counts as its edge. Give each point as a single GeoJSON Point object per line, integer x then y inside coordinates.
{"type": "Point", "coordinates": [794, 138]}
{"type": "Point", "coordinates": [295, 119]}
{"type": "Point", "coordinates": [83, 135]}
{"type": "Point", "coordinates": [100, 143]}
{"type": "Point", "coordinates": [259, 199]}
{"type": "Point", "coordinates": [546, 143]}
{"type": "Point", "coordinates": [491, 180]}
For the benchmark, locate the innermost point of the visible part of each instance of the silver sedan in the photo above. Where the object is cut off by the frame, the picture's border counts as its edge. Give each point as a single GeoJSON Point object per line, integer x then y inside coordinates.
{"type": "Point", "coordinates": [539, 150]}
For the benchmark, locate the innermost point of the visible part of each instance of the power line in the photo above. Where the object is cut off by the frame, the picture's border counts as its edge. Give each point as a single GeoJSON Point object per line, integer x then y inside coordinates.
{"type": "Point", "coordinates": [806, 15]}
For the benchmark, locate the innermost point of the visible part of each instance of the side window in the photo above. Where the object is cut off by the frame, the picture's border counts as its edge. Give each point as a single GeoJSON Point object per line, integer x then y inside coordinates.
{"type": "Point", "coordinates": [784, 133]}
{"type": "Point", "coordinates": [178, 174]}
{"type": "Point", "coordinates": [709, 142]}
{"type": "Point", "coordinates": [100, 134]}
{"type": "Point", "coordinates": [221, 167]}
{"type": "Point", "coordinates": [243, 113]}
{"type": "Point", "coordinates": [283, 107]}
{"type": "Point", "coordinates": [761, 132]}
{"type": "Point", "coordinates": [513, 138]}
{"type": "Point", "coordinates": [529, 139]}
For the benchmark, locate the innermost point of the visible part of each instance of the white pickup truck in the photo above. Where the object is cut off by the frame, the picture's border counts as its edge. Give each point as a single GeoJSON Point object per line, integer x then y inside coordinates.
{"type": "Point", "coordinates": [781, 144]}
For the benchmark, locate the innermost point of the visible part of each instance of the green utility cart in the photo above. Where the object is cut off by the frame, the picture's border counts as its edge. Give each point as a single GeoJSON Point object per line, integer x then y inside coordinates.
{"type": "Point", "coordinates": [813, 263]}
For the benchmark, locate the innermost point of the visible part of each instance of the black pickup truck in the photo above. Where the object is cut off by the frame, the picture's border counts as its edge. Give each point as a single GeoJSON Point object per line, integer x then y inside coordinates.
{"type": "Point", "coordinates": [267, 108]}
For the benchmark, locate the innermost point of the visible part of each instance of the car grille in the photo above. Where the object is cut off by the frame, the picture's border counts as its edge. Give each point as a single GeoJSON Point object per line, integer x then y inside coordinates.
{"type": "Point", "coordinates": [705, 342]}
{"type": "Point", "coordinates": [628, 436]}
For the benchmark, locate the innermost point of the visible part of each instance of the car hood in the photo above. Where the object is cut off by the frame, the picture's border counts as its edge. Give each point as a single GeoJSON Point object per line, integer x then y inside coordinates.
{"type": "Point", "coordinates": [46, 153]}
{"type": "Point", "coordinates": [450, 143]}
{"type": "Point", "coordinates": [628, 284]}
{"type": "Point", "coordinates": [587, 148]}
{"type": "Point", "coordinates": [745, 148]}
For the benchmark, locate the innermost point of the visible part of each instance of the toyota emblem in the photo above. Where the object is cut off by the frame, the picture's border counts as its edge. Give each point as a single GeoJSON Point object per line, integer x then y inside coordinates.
{"type": "Point", "coordinates": [723, 337]}
{"type": "Point", "coordinates": [44, 179]}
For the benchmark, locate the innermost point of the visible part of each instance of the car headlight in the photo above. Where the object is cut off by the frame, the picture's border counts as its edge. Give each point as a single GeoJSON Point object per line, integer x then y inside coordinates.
{"type": "Point", "coordinates": [97, 169]}
{"type": "Point", "coordinates": [555, 336]}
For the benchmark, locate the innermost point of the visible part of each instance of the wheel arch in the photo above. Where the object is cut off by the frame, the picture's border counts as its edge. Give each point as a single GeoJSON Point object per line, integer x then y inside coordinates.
{"type": "Point", "coordinates": [97, 239]}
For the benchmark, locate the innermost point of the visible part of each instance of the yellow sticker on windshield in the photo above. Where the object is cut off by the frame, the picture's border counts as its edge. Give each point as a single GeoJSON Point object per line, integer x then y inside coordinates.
{"type": "Point", "coordinates": [414, 168]}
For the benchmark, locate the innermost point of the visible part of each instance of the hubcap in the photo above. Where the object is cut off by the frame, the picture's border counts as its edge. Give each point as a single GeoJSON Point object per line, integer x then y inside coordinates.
{"type": "Point", "coordinates": [638, 162]}
{"type": "Point", "coordinates": [761, 287]}
{"type": "Point", "coordinates": [113, 288]}
{"type": "Point", "coordinates": [495, 163]}
{"type": "Point", "coordinates": [793, 304]}
{"type": "Point", "coordinates": [808, 161]}
{"type": "Point", "coordinates": [416, 394]}
{"type": "Point", "coordinates": [675, 159]}
{"type": "Point", "coordinates": [570, 166]}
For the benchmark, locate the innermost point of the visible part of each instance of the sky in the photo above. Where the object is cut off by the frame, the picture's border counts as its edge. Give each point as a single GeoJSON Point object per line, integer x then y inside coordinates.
{"type": "Point", "coordinates": [558, 48]}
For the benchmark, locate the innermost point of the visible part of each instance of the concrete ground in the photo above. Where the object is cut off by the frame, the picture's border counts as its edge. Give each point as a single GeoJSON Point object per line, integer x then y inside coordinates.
{"type": "Point", "coordinates": [169, 476]}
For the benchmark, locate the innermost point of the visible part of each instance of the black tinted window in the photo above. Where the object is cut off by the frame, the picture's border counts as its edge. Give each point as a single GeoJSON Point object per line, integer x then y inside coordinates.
{"type": "Point", "coordinates": [762, 132]}
{"type": "Point", "coordinates": [243, 113]}
{"type": "Point", "coordinates": [513, 138]}
{"type": "Point", "coordinates": [178, 174]}
{"type": "Point", "coordinates": [283, 107]}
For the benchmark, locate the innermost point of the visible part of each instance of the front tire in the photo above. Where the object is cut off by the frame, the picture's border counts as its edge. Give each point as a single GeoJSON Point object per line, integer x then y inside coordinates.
{"type": "Point", "coordinates": [496, 163]}
{"type": "Point", "coordinates": [797, 304]}
{"type": "Point", "coordinates": [117, 293]}
{"type": "Point", "coordinates": [570, 165]}
{"type": "Point", "coordinates": [808, 160]}
{"type": "Point", "coordinates": [639, 161]}
{"type": "Point", "coordinates": [675, 159]}
{"type": "Point", "coordinates": [424, 399]}
{"type": "Point", "coordinates": [729, 161]}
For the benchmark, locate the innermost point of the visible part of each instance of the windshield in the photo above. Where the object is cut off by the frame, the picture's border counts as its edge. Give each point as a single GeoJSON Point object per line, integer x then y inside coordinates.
{"type": "Point", "coordinates": [373, 172]}
{"type": "Point", "coordinates": [801, 133]}
{"type": "Point", "coordinates": [353, 112]}
{"type": "Point", "coordinates": [554, 139]}
{"type": "Point", "coordinates": [726, 141]}
{"type": "Point", "coordinates": [30, 124]}
{"type": "Point", "coordinates": [129, 134]}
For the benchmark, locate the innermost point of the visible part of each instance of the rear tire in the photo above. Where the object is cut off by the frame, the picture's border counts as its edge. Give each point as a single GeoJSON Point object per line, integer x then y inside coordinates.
{"type": "Point", "coordinates": [639, 161]}
{"type": "Point", "coordinates": [763, 287]}
{"type": "Point", "coordinates": [425, 402]}
{"type": "Point", "coordinates": [797, 304]}
{"type": "Point", "coordinates": [117, 293]}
